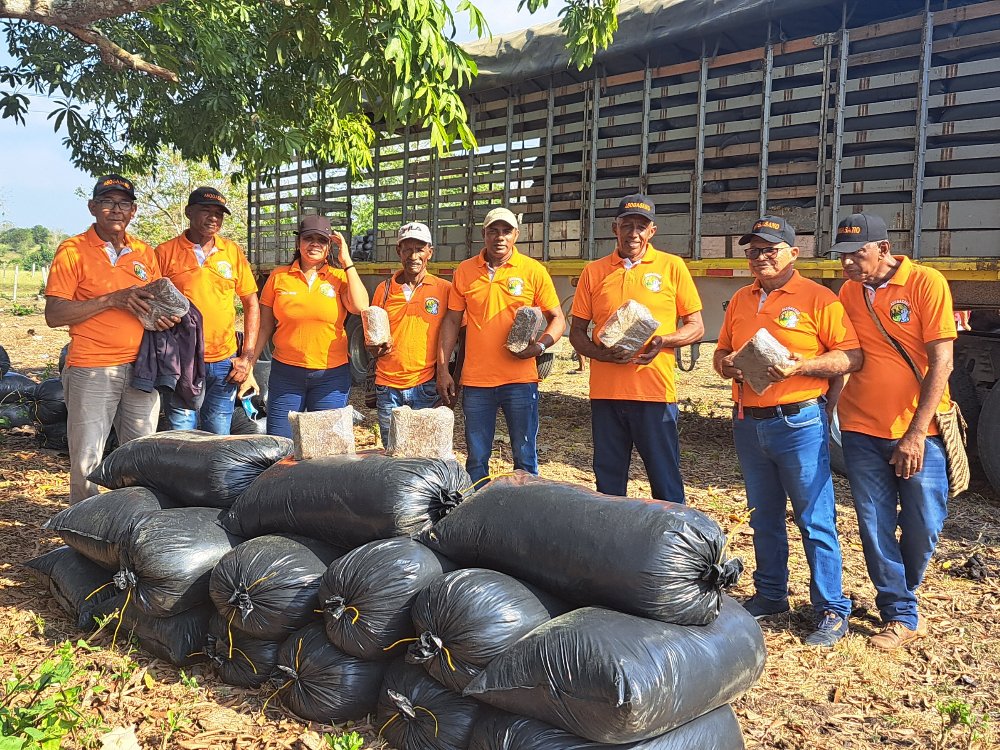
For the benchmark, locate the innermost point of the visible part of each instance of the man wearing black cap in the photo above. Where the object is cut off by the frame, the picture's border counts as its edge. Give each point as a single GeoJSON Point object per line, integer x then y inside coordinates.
{"type": "Point", "coordinates": [211, 271]}
{"type": "Point", "coordinates": [895, 460]}
{"type": "Point", "coordinates": [781, 432]}
{"type": "Point", "coordinates": [632, 396]}
{"type": "Point", "coordinates": [95, 287]}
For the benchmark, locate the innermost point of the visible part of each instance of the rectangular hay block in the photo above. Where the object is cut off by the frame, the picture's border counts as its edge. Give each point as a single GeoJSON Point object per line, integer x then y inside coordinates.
{"type": "Point", "coordinates": [757, 355]}
{"type": "Point", "coordinates": [375, 321]}
{"type": "Point", "coordinates": [529, 322]}
{"type": "Point", "coordinates": [628, 328]}
{"type": "Point", "coordinates": [318, 434]}
{"type": "Point", "coordinates": [421, 433]}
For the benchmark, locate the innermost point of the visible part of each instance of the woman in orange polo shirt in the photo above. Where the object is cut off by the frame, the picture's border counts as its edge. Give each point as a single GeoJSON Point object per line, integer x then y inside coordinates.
{"type": "Point", "coordinates": [303, 306]}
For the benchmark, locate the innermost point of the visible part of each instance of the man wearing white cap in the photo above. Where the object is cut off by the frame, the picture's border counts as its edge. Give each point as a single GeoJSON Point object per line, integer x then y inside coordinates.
{"type": "Point", "coordinates": [416, 303]}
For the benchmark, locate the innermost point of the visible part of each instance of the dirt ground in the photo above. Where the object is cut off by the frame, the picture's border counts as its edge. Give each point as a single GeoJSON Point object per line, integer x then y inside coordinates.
{"type": "Point", "coordinates": [942, 693]}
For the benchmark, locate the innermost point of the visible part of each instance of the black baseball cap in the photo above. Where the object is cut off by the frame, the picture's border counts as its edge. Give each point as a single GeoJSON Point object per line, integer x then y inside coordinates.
{"type": "Point", "coordinates": [315, 224]}
{"type": "Point", "coordinates": [112, 182]}
{"type": "Point", "coordinates": [637, 204]}
{"type": "Point", "coordinates": [208, 196]}
{"type": "Point", "coordinates": [772, 229]}
{"type": "Point", "coordinates": [857, 230]}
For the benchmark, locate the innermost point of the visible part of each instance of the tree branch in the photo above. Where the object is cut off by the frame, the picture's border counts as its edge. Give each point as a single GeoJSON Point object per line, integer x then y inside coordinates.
{"type": "Point", "coordinates": [117, 58]}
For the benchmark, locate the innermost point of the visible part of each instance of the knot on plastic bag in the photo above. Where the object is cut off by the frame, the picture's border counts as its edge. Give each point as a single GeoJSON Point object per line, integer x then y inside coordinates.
{"type": "Point", "coordinates": [403, 703]}
{"type": "Point", "coordinates": [212, 650]}
{"type": "Point", "coordinates": [242, 601]}
{"type": "Point", "coordinates": [335, 606]}
{"type": "Point", "coordinates": [426, 648]}
{"type": "Point", "coordinates": [292, 674]}
{"type": "Point", "coordinates": [724, 575]}
{"type": "Point", "coordinates": [124, 579]}
{"type": "Point", "coordinates": [445, 503]}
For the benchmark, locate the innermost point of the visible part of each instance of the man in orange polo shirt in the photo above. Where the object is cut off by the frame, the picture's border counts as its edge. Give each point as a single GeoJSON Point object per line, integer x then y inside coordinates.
{"type": "Point", "coordinates": [487, 290]}
{"type": "Point", "coordinates": [211, 271]}
{"type": "Point", "coordinates": [632, 398]}
{"type": "Point", "coordinates": [781, 434]}
{"type": "Point", "coordinates": [95, 287]}
{"type": "Point", "coordinates": [416, 303]}
{"type": "Point", "coordinates": [895, 460]}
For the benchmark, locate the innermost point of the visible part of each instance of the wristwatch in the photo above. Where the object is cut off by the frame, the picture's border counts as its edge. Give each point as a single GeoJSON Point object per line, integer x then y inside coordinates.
{"type": "Point", "coordinates": [541, 344]}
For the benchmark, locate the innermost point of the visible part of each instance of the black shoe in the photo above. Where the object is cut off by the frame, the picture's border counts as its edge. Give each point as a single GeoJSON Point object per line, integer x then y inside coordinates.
{"type": "Point", "coordinates": [830, 629]}
{"type": "Point", "coordinates": [760, 606]}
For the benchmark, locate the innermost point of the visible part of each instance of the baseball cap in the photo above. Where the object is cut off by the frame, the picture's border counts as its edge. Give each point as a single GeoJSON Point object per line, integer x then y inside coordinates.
{"type": "Point", "coordinates": [415, 230]}
{"type": "Point", "coordinates": [208, 196]}
{"type": "Point", "coordinates": [857, 230]}
{"type": "Point", "coordinates": [112, 182]}
{"type": "Point", "coordinates": [500, 214]}
{"type": "Point", "coordinates": [637, 204]}
{"type": "Point", "coordinates": [772, 229]}
{"type": "Point", "coordinates": [315, 224]}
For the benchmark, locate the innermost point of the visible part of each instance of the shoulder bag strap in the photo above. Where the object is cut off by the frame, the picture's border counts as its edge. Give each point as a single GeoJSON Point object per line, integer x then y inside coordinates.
{"type": "Point", "coordinates": [895, 344]}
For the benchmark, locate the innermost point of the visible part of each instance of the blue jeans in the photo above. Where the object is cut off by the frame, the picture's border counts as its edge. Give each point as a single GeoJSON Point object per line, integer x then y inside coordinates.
{"type": "Point", "coordinates": [216, 413]}
{"type": "Point", "coordinates": [788, 458]}
{"type": "Point", "coordinates": [649, 425]}
{"type": "Point", "coordinates": [519, 402]}
{"type": "Point", "coordinates": [292, 388]}
{"type": "Point", "coordinates": [423, 396]}
{"type": "Point", "coordinates": [884, 502]}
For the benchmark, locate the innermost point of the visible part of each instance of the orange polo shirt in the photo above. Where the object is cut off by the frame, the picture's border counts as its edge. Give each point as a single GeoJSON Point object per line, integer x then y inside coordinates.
{"type": "Point", "coordinates": [915, 307]}
{"type": "Point", "coordinates": [489, 307]}
{"type": "Point", "coordinates": [661, 282]}
{"type": "Point", "coordinates": [81, 270]}
{"type": "Point", "coordinates": [414, 325]}
{"type": "Point", "coordinates": [211, 287]}
{"type": "Point", "coordinates": [804, 316]}
{"type": "Point", "coordinates": [309, 318]}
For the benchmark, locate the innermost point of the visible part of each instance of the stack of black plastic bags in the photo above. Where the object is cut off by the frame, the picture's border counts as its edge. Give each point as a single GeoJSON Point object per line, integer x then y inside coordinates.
{"type": "Point", "coordinates": [26, 403]}
{"type": "Point", "coordinates": [528, 614]}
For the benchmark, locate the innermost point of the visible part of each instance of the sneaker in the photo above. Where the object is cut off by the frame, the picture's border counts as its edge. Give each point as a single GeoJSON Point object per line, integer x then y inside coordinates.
{"type": "Point", "coordinates": [830, 629]}
{"type": "Point", "coordinates": [896, 635]}
{"type": "Point", "coordinates": [760, 606]}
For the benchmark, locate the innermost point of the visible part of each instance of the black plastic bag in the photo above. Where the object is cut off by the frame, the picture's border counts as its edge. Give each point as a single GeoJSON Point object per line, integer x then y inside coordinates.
{"type": "Point", "coordinates": [237, 658]}
{"type": "Point", "coordinates": [468, 617]}
{"type": "Point", "coordinates": [617, 678]}
{"type": "Point", "coordinates": [16, 415]}
{"type": "Point", "coordinates": [16, 388]}
{"type": "Point", "coordinates": [4, 362]}
{"type": "Point", "coordinates": [193, 467]}
{"type": "Point", "coordinates": [50, 403]}
{"type": "Point", "coordinates": [716, 730]}
{"type": "Point", "coordinates": [266, 587]}
{"type": "Point", "coordinates": [262, 374]}
{"type": "Point", "coordinates": [83, 589]}
{"type": "Point", "coordinates": [349, 500]}
{"type": "Point", "coordinates": [645, 557]}
{"type": "Point", "coordinates": [53, 436]}
{"type": "Point", "coordinates": [95, 526]}
{"type": "Point", "coordinates": [242, 424]}
{"type": "Point", "coordinates": [367, 594]}
{"type": "Point", "coordinates": [322, 683]}
{"type": "Point", "coordinates": [417, 713]}
{"type": "Point", "coordinates": [166, 301]}
{"type": "Point", "coordinates": [179, 639]}
{"type": "Point", "coordinates": [166, 559]}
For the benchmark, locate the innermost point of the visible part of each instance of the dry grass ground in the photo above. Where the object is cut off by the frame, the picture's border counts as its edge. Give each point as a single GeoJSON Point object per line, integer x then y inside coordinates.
{"type": "Point", "coordinates": [942, 693]}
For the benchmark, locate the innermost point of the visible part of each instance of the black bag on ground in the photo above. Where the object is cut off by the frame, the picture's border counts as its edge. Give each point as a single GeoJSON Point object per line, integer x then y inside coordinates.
{"type": "Point", "coordinates": [194, 468]}
{"type": "Point", "coordinates": [417, 713]}
{"type": "Point", "coordinates": [645, 557]}
{"type": "Point", "coordinates": [349, 500]}
{"type": "Point", "coordinates": [617, 678]}
{"type": "Point", "coordinates": [82, 588]}
{"type": "Point", "coordinates": [322, 683]}
{"type": "Point", "coordinates": [716, 730]}
{"type": "Point", "coordinates": [50, 403]}
{"type": "Point", "coordinates": [166, 559]}
{"type": "Point", "coordinates": [16, 388]}
{"type": "Point", "coordinates": [16, 415]}
{"type": "Point", "coordinates": [53, 436]}
{"type": "Point", "coordinates": [262, 374]}
{"type": "Point", "coordinates": [95, 526]}
{"type": "Point", "coordinates": [243, 425]}
{"type": "Point", "coordinates": [266, 587]}
{"type": "Point", "coordinates": [179, 639]}
{"type": "Point", "coordinates": [367, 594]}
{"type": "Point", "coordinates": [468, 617]}
{"type": "Point", "coordinates": [4, 362]}
{"type": "Point", "coordinates": [237, 658]}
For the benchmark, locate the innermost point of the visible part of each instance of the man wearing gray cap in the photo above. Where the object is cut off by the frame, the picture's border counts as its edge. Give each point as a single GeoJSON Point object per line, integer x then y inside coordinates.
{"type": "Point", "coordinates": [488, 289]}
{"type": "Point", "coordinates": [416, 303]}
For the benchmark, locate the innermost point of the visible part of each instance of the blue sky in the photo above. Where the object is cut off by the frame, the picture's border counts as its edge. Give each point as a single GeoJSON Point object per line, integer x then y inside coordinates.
{"type": "Point", "coordinates": [38, 181]}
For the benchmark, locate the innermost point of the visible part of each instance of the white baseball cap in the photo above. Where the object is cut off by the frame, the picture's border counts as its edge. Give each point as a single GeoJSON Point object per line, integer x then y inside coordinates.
{"type": "Point", "coordinates": [500, 214]}
{"type": "Point", "coordinates": [415, 230]}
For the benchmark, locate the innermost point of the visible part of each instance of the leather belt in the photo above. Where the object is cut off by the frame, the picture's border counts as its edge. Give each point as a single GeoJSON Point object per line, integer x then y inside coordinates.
{"type": "Point", "coordinates": [784, 410]}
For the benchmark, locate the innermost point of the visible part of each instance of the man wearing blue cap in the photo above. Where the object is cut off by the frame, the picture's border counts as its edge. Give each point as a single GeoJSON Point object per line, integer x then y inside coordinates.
{"type": "Point", "coordinates": [633, 400]}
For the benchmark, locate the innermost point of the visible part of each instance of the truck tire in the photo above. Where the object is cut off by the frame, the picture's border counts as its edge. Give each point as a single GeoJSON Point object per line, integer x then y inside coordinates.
{"type": "Point", "coordinates": [543, 363]}
{"type": "Point", "coordinates": [988, 436]}
{"type": "Point", "coordinates": [963, 392]}
{"type": "Point", "coordinates": [837, 462]}
{"type": "Point", "coordinates": [357, 355]}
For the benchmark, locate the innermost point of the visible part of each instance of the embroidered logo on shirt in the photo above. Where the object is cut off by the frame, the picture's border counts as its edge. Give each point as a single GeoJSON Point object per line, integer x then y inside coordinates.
{"type": "Point", "coordinates": [515, 286]}
{"type": "Point", "coordinates": [225, 269]}
{"type": "Point", "coordinates": [432, 305]}
{"type": "Point", "coordinates": [789, 317]}
{"type": "Point", "coordinates": [326, 289]}
{"type": "Point", "coordinates": [899, 311]}
{"type": "Point", "coordinates": [140, 270]}
{"type": "Point", "coordinates": [652, 281]}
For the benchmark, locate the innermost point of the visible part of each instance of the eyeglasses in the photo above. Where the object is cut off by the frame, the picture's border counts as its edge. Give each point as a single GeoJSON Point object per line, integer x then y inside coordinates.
{"type": "Point", "coordinates": [107, 204]}
{"type": "Point", "coordinates": [753, 253]}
